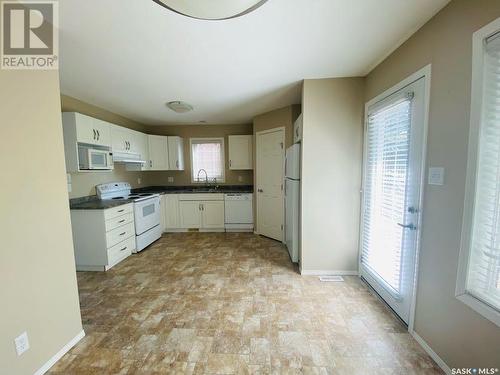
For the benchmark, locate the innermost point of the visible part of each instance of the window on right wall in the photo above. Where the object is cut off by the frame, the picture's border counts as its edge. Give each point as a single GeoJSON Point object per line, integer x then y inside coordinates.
{"type": "Point", "coordinates": [478, 283]}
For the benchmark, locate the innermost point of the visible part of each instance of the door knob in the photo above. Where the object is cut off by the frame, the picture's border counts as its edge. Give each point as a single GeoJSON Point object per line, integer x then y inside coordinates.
{"type": "Point", "coordinates": [410, 226]}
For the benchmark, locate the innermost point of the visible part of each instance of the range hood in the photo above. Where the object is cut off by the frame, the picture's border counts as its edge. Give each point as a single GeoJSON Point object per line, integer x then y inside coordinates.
{"type": "Point", "coordinates": [127, 158]}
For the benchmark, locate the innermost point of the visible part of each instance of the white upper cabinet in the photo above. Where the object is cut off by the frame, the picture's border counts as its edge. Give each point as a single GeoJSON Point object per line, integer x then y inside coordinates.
{"type": "Point", "coordinates": [158, 153]}
{"type": "Point", "coordinates": [175, 153]}
{"type": "Point", "coordinates": [240, 152]}
{"type": "Point", "coordinates": [125, 140]}
{"type": "Point", "coordinates": [103, 130]}
{"type": "Point", "coordinates": [87, 129]}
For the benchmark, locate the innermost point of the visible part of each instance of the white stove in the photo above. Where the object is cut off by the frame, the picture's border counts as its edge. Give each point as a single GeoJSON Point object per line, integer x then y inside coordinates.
{"type": "Point", "coordinates": [146, 210]}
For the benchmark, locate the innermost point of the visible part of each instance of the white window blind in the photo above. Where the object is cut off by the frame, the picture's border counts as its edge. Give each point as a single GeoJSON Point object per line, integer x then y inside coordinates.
{"type": "Point", "coordinates": [483, 274]}
{"type": "Point", "coordinates": [207, 155]}
{"type": "Point", "coordinates": [384, 192]}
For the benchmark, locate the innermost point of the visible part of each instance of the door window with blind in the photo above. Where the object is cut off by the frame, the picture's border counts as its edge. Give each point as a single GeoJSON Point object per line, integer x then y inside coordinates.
{"type": "Point", "coordinates": [392, 177]}
{"type": "Point", "coordinates": [207, 160]}
{"type": "Point", "coordinates": [478, 283]}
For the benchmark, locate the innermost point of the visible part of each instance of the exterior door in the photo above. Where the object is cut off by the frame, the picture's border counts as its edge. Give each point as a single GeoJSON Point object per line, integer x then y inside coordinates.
{"type": "Point", "coordinates": [394, 137]}
{"type": "Point", "coordinates": [270, 152]}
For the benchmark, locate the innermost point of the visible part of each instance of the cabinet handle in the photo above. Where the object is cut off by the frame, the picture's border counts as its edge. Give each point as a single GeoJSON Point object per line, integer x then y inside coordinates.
{"type": "Point", "coordinates": [94, 134]}
{"type": "Point", "coordinates": [230, 163]}
{"type": "Point", "coordinates": [98, 135]}
{"type": "Point", "coordinates": [260, 190]}
{"type": "Point", "coordinates": [121, 234]}
{"type": "Point", "coordinates": [121, 221]}
{"type": "Point", "coordinates": [121, 210]}
{"type": "Point", "coordinates": [125, 248]}
{"type": "Point", "coordinates": [202, 207]}
{"type": "Point", "coordinates": [151, 163]}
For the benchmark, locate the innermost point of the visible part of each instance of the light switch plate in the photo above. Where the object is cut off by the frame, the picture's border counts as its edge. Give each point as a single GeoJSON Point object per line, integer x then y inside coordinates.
{"type": "Point", "coordinates": [22, 343]}
{"type": "Point", "coordinates": [436, 176]}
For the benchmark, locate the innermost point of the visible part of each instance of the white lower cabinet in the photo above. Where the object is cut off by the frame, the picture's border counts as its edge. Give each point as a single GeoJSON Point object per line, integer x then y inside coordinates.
{"type": "Point", "coordinates": [212, 214]}
{"type": "Point", "coordinates": [190, 214]}
{"type": "Point", "coordinates": [201, 211]}
{"type": "Point", "coordinates": [172, 214]}
{"type": "Point", "coordinates": [102, 238]}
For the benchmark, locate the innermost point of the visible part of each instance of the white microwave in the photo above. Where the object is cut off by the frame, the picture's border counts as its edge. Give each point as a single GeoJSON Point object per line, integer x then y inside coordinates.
{"type": "Point", "coordinates": [92, 158]}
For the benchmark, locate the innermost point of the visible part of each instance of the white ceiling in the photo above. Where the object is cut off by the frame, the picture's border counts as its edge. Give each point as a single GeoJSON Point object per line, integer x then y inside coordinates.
{"type": "Point", "coordinates": [131, 56]}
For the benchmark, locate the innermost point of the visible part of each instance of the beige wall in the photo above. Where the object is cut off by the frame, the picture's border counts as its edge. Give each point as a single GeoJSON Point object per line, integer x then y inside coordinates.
{"type": "Point", "coordinates": [38, 290]}
{"type": "Point", "coordinates": [459, 335]}
{"type": "Point", "coordinates": [199, 131]}
{"type": "Point", "coordinates": [83, 184]}
{"type": "Point", "coordinates": [331, 173]}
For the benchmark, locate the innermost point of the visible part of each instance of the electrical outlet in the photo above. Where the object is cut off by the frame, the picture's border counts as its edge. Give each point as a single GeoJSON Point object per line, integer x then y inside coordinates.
{"type": "Point", "coordinates": [170, 179]}
{"type": "Point", "coordinates": [22, 343]}
{"type": "Point", "coordinates": [139, 181]}
{"type": "Point", "coordinates": [240, 178]}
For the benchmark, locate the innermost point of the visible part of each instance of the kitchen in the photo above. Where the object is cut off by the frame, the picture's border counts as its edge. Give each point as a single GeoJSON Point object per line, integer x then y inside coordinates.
{"type": "Point", "coordinates": [250, 186]}
{"type": "Point", "coordinates": [178, 185]}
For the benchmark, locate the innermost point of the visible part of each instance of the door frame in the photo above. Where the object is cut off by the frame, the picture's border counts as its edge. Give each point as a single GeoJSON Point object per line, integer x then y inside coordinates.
{"type": "Point", "coordinates": [425, 74]}
{"type": "Point", "coordinates": [262, 132]}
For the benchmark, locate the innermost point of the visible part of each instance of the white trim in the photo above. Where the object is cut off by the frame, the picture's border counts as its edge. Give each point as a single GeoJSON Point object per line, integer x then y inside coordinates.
{"type": "Point", "coordinates": [475, 125]}
{"type": "Point", "coordinates": [328, 273]}
{"type": "Point", "coordinates": [442, 364]}
{"type": "Point", "coordinates": [56, 357]}
{"type": "Point", "coordinates": [424, 73]}
{"type": "Point", "coordinates": [223, 157]}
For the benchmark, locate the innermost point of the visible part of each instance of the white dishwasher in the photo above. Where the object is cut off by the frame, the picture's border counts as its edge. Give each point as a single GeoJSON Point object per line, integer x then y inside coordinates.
{"type": "Point", "coordinates": [238, 208]}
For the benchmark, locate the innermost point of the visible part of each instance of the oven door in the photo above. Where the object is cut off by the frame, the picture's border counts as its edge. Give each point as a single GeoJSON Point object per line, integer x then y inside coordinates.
{"type": "Point", "coordinates": [99, 159]}
{"type": "Point", "coordinates": [147, 215]}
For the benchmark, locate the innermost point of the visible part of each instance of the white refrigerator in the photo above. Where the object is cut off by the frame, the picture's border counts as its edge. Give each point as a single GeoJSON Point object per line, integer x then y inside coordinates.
{"type": "Point", "coordinates": [292, 200]}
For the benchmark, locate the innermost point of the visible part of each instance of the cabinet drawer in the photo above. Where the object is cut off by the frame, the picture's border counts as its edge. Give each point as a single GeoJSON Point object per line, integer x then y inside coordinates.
{"type": "Point", "coordinates": [119, 221]}
{"type": "Point", "coordinates": [111, 213]}
{"type": "Point", "coordinates": [121, 251]}
{"type": "Point", "coordinates": [120, 234]}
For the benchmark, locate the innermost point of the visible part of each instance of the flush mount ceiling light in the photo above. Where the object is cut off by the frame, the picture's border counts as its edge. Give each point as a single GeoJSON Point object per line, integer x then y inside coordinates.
{"type": "Point", "coordinates": [180, 107]}
{"type": "Point", "coordinates": [211, 9]}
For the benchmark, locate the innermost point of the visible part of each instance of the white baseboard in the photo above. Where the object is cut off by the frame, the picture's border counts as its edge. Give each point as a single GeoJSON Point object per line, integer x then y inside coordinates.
{"type": "Point", "coordinates": [51, 362]}
{"type": "Point", "coordinates": [431, 353]}
{"type": "Point", "coordinates": [327, 273]}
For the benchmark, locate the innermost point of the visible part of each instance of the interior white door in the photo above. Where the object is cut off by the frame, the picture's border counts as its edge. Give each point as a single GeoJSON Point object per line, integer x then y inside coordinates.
{"type": "Point", "coordinates": [270, 154]}
{"type": "Point", "coordinates": [394, 137]}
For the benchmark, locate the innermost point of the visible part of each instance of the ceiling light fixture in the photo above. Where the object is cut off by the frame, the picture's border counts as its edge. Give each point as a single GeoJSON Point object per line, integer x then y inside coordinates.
{"type": "Point", "coordinates": [211, 10]}
{"type": "Point", "coordinates": [179, 106]}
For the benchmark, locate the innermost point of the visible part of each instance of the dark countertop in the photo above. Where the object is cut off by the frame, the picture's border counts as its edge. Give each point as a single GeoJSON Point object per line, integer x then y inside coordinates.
{"type": "Point", "coordinates": [191, 189]}
{"type": "Point", "coordinates": [93, 203]}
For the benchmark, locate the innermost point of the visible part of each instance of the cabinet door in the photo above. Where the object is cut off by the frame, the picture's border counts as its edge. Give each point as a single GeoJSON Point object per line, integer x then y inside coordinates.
{"type": "Point", "coordinates": [103, 130]}
{"type": "Point", "coordinates": [176, 153]}
{"type": "Point", "coordinates": [240, 152]}
{"type": "Point", "coordinates": [85, 131]}
{"type": "Point", "coordinates": [118, 139]}
{"type": "Point", "coordinates": [143, 146]}
{"type": "Point", "coordinates": [172, 219]}
{"type": "Point", "coordinates": [163, 210]}
{"type": "Point", "coordinates": [190, 214]}
{"type": "Point", "coordinates": [158, 153]}
{"type": "Point", "coordinates": [212, 214]}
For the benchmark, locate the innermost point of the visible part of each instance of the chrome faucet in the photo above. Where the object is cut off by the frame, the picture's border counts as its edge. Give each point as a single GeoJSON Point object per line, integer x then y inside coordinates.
{"type": "Point", "coordinates": [206, 176]}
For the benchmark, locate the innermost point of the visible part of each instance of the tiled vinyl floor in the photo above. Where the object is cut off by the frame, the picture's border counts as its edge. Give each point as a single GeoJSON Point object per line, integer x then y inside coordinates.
{"type": "Point", "coordinates": [216, 303]}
